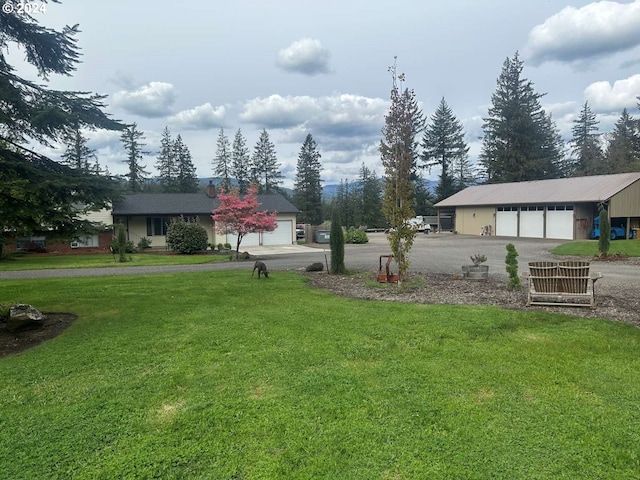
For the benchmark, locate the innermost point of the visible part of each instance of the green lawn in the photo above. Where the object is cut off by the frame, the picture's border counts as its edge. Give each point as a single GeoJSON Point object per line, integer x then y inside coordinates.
{"type": "Point", "coordinates": [43, 262]}
{"type": "Point", "coordinates": [218, 375]}
{"type": "Point", "coordinates": [589, 248]}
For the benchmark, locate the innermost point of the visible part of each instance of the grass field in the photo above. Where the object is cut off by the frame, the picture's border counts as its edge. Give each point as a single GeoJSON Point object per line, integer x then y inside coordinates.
{"type": "Point", "coordinates": [589, 248]}
{"type": "Point", "coordinates": [217, 375]}
{"type": "Point", "coordinates": [46, 262]}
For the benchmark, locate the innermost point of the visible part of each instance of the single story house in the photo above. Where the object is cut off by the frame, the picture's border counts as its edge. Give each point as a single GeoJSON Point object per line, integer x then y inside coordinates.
{"type": "Point", "coordinates": [149, 214]}
{"type": "Point", "coordinates": [562, 208]}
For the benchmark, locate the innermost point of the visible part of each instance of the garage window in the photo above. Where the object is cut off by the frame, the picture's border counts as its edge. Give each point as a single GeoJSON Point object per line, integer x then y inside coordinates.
{"type": "Point", "coordinates": [559, 207]}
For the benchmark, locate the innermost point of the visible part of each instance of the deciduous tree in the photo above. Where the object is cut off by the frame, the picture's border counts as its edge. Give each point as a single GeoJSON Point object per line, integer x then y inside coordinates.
{"type": "Point", "coordinates": [240, 216]}
{"type": "Point", "coordinates": [397, 152]}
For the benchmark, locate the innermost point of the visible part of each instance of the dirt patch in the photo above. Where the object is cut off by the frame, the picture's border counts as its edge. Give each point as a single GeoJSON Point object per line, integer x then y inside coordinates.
{"type": "Point", "coordinates": [619, 303]}
{"type": "Point", "coordinates": [54, 324]}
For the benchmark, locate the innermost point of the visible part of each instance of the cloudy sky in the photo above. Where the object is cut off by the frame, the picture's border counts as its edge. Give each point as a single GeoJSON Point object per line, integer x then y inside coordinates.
{"type": "Point", "coordinates": [321, 67]}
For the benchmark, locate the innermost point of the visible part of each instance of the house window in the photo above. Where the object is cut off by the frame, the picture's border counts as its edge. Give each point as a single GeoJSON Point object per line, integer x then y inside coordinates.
{"type": "Point", "coordinates": [84, 242]}
{"type": "Point", "coordinates": [24, 242]}
{"type": "Point", "coordinates": [157, 226]}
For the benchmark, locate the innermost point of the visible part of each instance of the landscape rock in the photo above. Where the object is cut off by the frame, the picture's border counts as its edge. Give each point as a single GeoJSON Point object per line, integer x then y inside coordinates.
{"type": "Point", "coordinates": [24, 317]}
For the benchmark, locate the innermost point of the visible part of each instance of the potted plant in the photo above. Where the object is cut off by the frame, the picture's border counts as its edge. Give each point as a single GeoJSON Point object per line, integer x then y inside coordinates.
{"type": "Point", "coordinates": [477, 271]}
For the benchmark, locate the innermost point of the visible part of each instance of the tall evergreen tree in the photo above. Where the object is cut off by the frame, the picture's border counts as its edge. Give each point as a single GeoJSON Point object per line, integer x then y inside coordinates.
{"type": "Point", "coordinates": [307, 190]}
{"type": "Point", "coordinates": [132, 142]}
{"type": "Point", "coordinates": [166, 163]}
{"type": "Point", "coordinates": [444, 147]}
{"type": "Point", "coordinates": [586, 153]}
{"type": "Point", "coordinates": [398, 155]}
{"type": "Point", "coordinates": [623, 150]}
{"type": "Point", "coordinates": [37, 193]}
{"type": "Point", "coordinates": [222, 162]}
{"type": "Point", "coordinates": [424, 198]}
{"type": "Point", "coordinates": [517, 144]}
{"type": "Point", "coordinates": [187, 180]}
{"type": "Point", "coordinates": [265, 169]}
{"type": "Point", "coordinates": [77, 154]}
{"type": "Point", "coordinates": [370, 211]}
{"type": "Point", "coordinates": [240, 162]}
{"type": "Point", "coordinates": [346, 201]}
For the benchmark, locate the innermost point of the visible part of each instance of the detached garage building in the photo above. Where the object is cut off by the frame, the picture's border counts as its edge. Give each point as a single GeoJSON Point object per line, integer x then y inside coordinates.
{"type": "Point", "coordinates": [562, 208]}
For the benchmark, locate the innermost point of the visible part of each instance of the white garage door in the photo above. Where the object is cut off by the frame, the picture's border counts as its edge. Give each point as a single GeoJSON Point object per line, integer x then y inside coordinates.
{"type": "Point", "coordinates": [282, 235]}
{"type": "Point", "coordinates": [507, 221]}
{"type": "Point", "coordinates": [532, 222]}
{"type": "Point", "coordinates": [560, 222]}
{"type": "Point", "coordinates": [249, 240]}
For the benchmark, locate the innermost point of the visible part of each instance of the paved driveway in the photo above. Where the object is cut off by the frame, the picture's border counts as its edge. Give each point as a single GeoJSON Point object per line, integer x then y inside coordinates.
{"type": "Point", "coordinates": [437, 253]}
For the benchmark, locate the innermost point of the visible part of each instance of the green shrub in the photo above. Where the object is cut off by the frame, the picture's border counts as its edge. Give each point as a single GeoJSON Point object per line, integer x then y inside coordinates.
{"type": "Point", "coordinates": [186, 237]}
{"type": "Point", "coordinates": [604, 242]}
{"type": "Point", "coordinates": [355, 235]}
{"type": "Point", "coordinates": [227, 246]}
{"type": "Point", "coordinates": [144, 243]}
{"type": "Point", "coordinates": [220, 247]}
{"type": "Point", "coordinates": [511, 261]}
{"type": "Point", "coordinates": [336, 242]}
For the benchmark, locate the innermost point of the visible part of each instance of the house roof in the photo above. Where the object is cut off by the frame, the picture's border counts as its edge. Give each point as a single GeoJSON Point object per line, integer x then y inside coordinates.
{"type": "Point", "coordinates": [170, 204]}
{"type": "Point", "coordinates": [558, 190]}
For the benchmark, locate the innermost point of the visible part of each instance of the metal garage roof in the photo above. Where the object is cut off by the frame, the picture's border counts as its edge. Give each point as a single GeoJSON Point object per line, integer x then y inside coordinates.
{"type": "Point", "coordinates": [559, 190]}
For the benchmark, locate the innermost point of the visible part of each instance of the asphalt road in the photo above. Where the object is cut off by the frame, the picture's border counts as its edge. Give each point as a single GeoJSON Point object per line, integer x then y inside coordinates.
{"type": "Point", "coordinates": [437, 253]}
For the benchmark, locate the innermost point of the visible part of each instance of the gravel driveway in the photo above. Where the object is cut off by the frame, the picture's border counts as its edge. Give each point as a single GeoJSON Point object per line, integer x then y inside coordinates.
{"type": "Point", "coordinates": [435, 253]}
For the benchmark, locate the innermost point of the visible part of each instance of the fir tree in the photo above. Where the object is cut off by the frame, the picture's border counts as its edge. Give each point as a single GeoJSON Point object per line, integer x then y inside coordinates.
{"type": "Point", "coordinates": [519, 141]}
{"type": "Point", "coordinates": [623, 152]}
{"type": "Point", "coordinates": [166, 164]}
{"type": "Point", "coordinates": [187, 180]}
{"type": "Point", "coordinates": [132, 143]}
{"type": "Point", "coordinates": [222, 162]}
{"type": "Point", "coordinates": [77, 154]}
{"type": "Point", "coordinates": [36, 193]}
{"type": "Point", "coordinates": [370, 199]}
{"type": "Point", "coordinates": [444, 147]}
{"type": "Point", "coordinates": [307, 193]}
{"type": "Point", "coordinates": [586, 152]}
{"type": "Point", "coordinates": [240, 162]}
{"type": "Point", "coordinates": [265, 169]}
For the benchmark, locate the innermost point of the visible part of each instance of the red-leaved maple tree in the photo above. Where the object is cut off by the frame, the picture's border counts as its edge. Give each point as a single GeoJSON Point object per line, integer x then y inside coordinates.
{"type": "Point", "coordinates": [240, 216]}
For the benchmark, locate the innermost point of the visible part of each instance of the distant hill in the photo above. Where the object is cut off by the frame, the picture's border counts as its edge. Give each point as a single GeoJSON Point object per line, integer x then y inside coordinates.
{"type": "Point", "coordinates": [330, 191]}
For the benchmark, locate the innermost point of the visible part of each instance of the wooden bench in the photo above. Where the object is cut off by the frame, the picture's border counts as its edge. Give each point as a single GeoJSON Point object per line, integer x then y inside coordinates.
{"type": "Point", "coordinates": [561, 284]}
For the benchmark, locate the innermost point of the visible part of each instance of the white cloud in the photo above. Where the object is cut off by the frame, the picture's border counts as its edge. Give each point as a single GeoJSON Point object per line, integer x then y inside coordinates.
{"type": "Point", "coordinates": [202, 117]}
{"type": "Point", "coordinates": [578, 34]}
{"type": "Point", "coordinates": [343, 115]}
{"type": "Point", "coordinates": [604, 97]}
{"type": "Point", "coordinates": [306, 56]}
{"type": "Point", "coordinates": [151, 100]}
